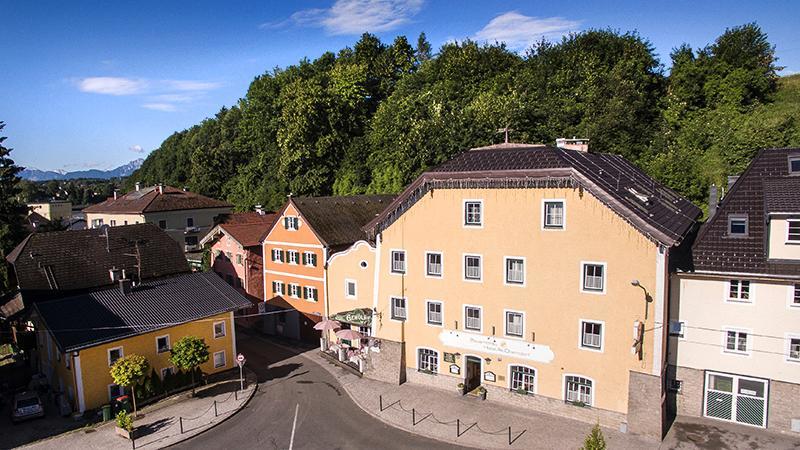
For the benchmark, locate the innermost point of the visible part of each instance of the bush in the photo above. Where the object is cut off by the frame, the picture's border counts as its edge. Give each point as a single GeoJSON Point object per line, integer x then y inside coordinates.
{"type": "Point", "coordinates": [595, 439]}
{"type": "Point", "coordinates": [125, 421]}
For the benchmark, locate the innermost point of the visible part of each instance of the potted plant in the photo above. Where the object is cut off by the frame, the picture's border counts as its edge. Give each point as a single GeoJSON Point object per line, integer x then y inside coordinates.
{"type": "Point", "coordinates": [461, 388]}
{"type": "Point", "coordinates": [482, 392]}
{"type": "Point", "coordinates": [124, 426]}
{"type": "Point", "coordinates": [579, 403]}
{"type": "Point", "coordinates": [522, 391]}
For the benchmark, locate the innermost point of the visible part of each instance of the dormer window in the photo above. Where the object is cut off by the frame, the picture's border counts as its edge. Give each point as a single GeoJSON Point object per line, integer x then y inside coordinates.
{"type": "Point", "coordinates": [793, 234]}
{"type": "Point", "coordinates": [794, 165]}
{"type": "Point", "coordinates": [737, 225]}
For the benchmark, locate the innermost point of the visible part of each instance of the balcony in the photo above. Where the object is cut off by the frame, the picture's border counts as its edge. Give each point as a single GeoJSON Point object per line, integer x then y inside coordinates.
{"type": "Point", "coordinates": [188, 230]}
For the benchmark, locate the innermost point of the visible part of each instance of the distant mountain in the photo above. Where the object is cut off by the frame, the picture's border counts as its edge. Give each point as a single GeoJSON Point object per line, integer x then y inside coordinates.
{"type": "Point", "coordinates": [45, 175]}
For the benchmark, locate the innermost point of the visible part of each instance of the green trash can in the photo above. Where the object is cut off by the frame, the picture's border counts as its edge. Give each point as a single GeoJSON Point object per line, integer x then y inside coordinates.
{"type": "Point", "coordinates": [106, 413]}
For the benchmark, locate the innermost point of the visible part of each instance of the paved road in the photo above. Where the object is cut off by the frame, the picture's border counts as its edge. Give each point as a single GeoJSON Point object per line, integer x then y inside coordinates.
{"type": "Point", "coordinates": [326, 416]}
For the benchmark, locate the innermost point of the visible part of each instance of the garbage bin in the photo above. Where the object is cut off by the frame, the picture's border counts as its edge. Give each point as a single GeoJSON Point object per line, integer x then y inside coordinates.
{"type": "Point", "coordinates": [122, 403]}
{"type": "Point", "coordinates": [106, 413]}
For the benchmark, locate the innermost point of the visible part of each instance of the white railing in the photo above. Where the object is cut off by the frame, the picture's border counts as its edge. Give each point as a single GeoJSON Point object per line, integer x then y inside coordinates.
{"type": "Point", "coordinates": [591, 340]}
{"type": "Point", "coordinates": [593, 282]}
{"type": "Point", "coordinates": [473, 323]}
{"type": "Point", "coordinates": [435, 317]}
{"type": "Point", "coordinates": [434, 268]}
{"type": "Point", "coordinates": [399, 312]}
{"type": "Point", "coordinates": [473, 272]}
{"type": "Point", "coordinates": [516, 275]}
{"type": "Point", "coordinates": [399, 266]}
{"type": "Point", "coordinates": [514, 328]}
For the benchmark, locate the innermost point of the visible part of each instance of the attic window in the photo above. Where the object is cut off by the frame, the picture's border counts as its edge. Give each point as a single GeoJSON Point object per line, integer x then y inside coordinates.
{"type": "Point", "coordinates": [737, 225]}
{"type": "Point", "coordinates": [794, 164]}
{"type": "Point", "coordinates": [642, 197]}
{"type": "Point", "coordinates": [291, 223]}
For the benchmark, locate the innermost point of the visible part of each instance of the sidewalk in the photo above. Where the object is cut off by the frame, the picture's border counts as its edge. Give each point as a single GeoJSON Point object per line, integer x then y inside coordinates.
{"type": "Point", "coordinates": [162, 422]}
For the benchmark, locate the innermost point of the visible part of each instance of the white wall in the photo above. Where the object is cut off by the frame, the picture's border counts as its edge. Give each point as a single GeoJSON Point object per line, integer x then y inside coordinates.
{"type": "Point", "coordinates": [779, 246]}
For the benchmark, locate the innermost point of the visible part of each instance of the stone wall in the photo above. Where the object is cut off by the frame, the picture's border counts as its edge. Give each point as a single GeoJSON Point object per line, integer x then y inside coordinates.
{"type": "Point", "coordinates": [388, 364]}
{"type": "Point", "coordinates": [689, 402]}
{"type": "Point", "coordinates": [784, 406]}
{"type": "Point", "coordinates": [646, 406]}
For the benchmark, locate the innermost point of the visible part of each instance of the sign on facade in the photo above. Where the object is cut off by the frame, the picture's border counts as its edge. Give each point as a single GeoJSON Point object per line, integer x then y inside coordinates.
{"type": "Point", "coordinates": [498, 346]}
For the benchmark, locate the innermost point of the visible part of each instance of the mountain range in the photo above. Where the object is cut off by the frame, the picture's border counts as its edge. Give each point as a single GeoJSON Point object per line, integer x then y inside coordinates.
{"type": "Point", "coordinates": [45, 175]}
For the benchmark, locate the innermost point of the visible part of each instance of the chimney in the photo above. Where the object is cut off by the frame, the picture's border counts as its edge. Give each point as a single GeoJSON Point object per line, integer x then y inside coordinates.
{"type": "Point", "coordinates": [160, 188]}
{"type": "Point", "coordinates": [259, 210]}
{"type": "Point", "coordinates": [581, 145]}
{"type": "Point", "coordinates": [125, 286]}
{"type": "Point", "coordinates": [114, 274]}
{"type": "Point", "coordinates": [138, 185]}
{"type": "Point", "coordinates": [732, 179]}
{"type": "Point", "coordinates": [713, 198]}
{"type": "Point", "coordinates": [185, 189]}
{"type": "Point", "coordinates": [116, 191]}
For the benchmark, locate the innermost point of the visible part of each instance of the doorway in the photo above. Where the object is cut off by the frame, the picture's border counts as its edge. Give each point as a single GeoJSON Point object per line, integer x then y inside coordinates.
{"type": "Point", "coordinates": [472, 373]}
{"type": "Point", "coordinates": [736, 398]}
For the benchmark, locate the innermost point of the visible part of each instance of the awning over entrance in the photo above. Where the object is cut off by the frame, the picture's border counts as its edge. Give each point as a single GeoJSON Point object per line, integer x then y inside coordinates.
{"type": "Point", "coordinates": [361, 317]}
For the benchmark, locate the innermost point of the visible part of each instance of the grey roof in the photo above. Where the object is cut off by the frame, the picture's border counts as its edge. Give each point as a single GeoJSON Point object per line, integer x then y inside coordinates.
{"type": "Point", "coordinates": [108, 315]}
{"type": "Point", "coordinates": [782, 194]}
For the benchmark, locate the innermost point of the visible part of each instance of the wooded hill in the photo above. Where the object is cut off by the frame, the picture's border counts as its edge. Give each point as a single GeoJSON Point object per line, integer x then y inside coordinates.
{"type": "Point", "coordinates": [372, 117]}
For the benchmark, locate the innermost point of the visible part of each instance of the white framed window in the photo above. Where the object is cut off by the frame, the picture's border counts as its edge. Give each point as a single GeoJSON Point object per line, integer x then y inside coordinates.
{"type": "Point", "coordinates": [522, 378]}
{"type": "Point", "coordinates": [793, 231]}
{"type": "Point", "coordinates": [515, 270]}
{"type": "Point", "coordinates": [219, 330]}
{"type": "Point", "coordinates": [739, 291]}
{"type": "Point", "coordinates": [291, 256]}
{"type": "Point", "coordinates": [115, 391]}
{"type": "Point", "coordinates": [310, 293]}
{"type": "Point", "coordinates": [736, 341]}
{"type": "Point", "coordinates": [427, 360]}
{"type": "Point", "coordinates": [433, 264]}
{"type": "Point", "coordinates": [793, 347]}
{"type": "Point", "coordinates": [591, 335]}
{"type": "Point", "coordinates": [473, 213]}
{"type": "Point", "coordinates": [434, 313]}
{"type": "Point", "coordinates": [794, 292]}
{"type": "Point", "coordinates": [219, 359]}
{"type": "Point", "coordinates": [350, 288]}
{"type": "Point", "coordinates": [277, 255]}
{"type": "Point", "coordinates": [294, 290]}
{"type": "Point", "coordinates": [578, 389]}
{"type": "Point", "coordinates": [278, 288]}
{"type": "Point", "coordinates": [554, 214]}
{"type": "Point", "coordinates": [310, 259]}
{"type": "Point", "coordinates": [398, 261]}
{"type": "Point", "coordinates": [473, 270]}
{"type": "Point", "coordinates": [677, 328]}
{"type": "Point", "coordinates": [399, 308]}
{"type": "Point", "coordinates": [514, 323]}
{"type": "Point", "coordinates": [593, 277]}
{"type": "Point", "coordinates": [794, 165]}
{"type": "Point", "coordinates": [167, 371]}
{"type": "Point", "coordinates": [737, 225]}
{"type": "Point", "coordinates": [114, 354]}
{"type": "Point", "coordinates": [291, 223]}
{"type": "Point", "coordinates": [162, 344]}
{"type": "Point", "coordinates": [473, 318]}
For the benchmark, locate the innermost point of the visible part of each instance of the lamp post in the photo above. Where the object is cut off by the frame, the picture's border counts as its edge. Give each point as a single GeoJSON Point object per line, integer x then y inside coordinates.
{"type": "Point", "coordinates": [240, 361]}
{"type": "Point", "coordinates": [647, 298]}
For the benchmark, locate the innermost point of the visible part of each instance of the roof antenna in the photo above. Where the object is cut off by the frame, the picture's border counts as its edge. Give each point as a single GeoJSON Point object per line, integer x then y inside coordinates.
{"type": "Point", "coordinates": [505, 130]}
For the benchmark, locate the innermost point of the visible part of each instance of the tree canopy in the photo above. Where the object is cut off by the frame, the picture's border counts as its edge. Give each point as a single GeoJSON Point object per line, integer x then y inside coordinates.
{"type": "Point", "coordinates": [129, 371]}
{"type": "Point", "coordinates": [12, 211]}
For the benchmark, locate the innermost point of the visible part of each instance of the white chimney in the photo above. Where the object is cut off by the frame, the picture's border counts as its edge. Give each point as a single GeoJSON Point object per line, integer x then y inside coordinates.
{"type": "Point", "coordinates": [581, 145]}
{"type": "Point", "coordinates": [160, 188]}
{"type": "Point", "coordinates": [138, 185]}
{"type": "Point", "coordinates": [259, 210]}
{"type": "Point", "coordinates": [115, 194]}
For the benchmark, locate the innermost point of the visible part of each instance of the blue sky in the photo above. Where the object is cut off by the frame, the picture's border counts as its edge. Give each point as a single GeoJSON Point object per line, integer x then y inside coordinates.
{"type": "Point", "coordinates": [97, 83]}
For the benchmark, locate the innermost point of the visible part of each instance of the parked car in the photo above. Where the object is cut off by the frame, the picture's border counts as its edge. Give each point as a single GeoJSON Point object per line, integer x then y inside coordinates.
{"type": "Point", "coordinates": [26, 405]}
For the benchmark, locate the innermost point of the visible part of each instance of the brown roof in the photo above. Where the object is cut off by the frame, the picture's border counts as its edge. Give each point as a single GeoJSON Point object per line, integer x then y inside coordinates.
{"type": "Point", "coordinates": [249, 234]}
{"type": "Point", "coordinates": [81, 259]}
{"type": "Point", "coordinates": [653, 209]}
{"type": "Point", "coordinates": [151, 200]}
{"type": "Point", "coordinates": [246, 217]}
{"type": "Point", "coordinates": [764, 186]}
{"type": "Point", "coordinates": [338, 221]}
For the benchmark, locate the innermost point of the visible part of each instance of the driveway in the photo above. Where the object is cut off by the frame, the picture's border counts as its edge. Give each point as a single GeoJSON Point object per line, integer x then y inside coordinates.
{"type": "Point", "coordinates": [699, 433]}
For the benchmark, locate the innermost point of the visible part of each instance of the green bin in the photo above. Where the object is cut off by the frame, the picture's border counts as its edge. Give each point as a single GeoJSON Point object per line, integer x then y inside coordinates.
{"type": "Point", "coordinates": [106, 413]}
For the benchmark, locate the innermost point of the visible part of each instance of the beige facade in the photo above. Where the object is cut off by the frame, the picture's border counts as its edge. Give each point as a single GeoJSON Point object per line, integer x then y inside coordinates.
{"type": "Point", "coordinates": [55, 210]}
{"type": "Point", "coordinates": [779, 246]}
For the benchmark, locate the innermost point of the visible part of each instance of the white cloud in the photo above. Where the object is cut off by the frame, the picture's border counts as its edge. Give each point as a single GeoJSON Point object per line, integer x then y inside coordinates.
{"type": "Point", "coordinates": [354, 16]}
{"type": "Point", "coordinates": [136, 149]}
{"type": "Point", "coordinates": [112, 85]}
{"type": "Point", "coordinates": [165, 107]}
{"type": "Point", "coordinates": [519, 31]}
{"type": "Point", "coordinates": [190, 85]}
{"type": "Point", "coordinates": [158, 95]}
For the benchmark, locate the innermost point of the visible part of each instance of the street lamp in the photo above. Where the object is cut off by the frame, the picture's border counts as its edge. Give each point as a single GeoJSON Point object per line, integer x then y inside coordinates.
{"type": "Point", "coordinates": [647, 297]}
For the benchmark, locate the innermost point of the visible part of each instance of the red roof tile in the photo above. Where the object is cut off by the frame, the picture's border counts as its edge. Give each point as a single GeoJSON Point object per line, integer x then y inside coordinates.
{"type": "Point", "coordinates": [151, 199]}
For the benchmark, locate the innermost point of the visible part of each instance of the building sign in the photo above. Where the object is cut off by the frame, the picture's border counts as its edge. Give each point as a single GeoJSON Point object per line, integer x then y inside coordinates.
{"type": "Point", "coordinates": [361, 317]}
{"type": "Point", "coordinates": [455, 369]}
{"type": "Point", "coordinates": [489, 376]}
{"type": "Point", "coordinates": [497, 346]}
{"type": "Point", "coordinates": [449, 357]}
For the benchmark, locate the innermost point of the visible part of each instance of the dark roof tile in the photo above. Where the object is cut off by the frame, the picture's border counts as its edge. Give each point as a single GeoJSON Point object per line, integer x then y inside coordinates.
{"type": "Point", "coordinates": [338, 221]}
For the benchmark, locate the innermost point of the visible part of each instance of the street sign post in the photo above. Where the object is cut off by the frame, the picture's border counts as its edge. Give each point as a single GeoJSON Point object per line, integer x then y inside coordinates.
{"type": "Point", "coordinates": [240, 361]}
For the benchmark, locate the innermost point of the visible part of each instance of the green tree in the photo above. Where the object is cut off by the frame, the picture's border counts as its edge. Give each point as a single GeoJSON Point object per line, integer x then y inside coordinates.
{"type": "Point", "coordinates": [129, 371]}
{"type": "Point", "coordinates": [595, 439]}
{"type": "Point", "coordinates": [12, 211]}
{"type": "Point", "coordinates": [188, 354]}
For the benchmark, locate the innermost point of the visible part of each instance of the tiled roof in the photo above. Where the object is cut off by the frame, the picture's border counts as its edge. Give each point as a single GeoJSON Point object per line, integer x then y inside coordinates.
{"type": "Point", "coordinates": [246, 217]}
{"type": "Point", "coordinates": [655, 210]}
{"type": "Point", "coordinates": [248, 229]}
{"type": "Point", "coordinates": [108, 315]}
{"type": "Point", "coordinates": [764, 186]}
{"type": "Point", "coordinates": [81, 259]}
{"type": "Point", "coordinates": [338, 221]}
{"type": "Point", "coordinates": [151, 200]}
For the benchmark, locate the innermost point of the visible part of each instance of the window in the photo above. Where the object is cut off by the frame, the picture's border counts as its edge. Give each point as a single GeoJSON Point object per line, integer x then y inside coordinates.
{"type": "Point", "coordinates": [310, 293]}
{"type": "Point", "coordinates": [239, 259]}
{"type": "Point", "coordinates": [472, 267]}
{"type": "Point", "coordinates": [593, 277]}
{"type": "Point", "coordinates": [433, 264]}
{"type": "Point", "coordinates": [472, 318]}
{"type": "Point", "coordinates": [794, 164]}
{"type": "Point", "coordinates": [350, 289]}
{"type": "Point", "coordinates": [554, 214]}
{"type": "Point", "coordinates": [294, 290]}
{"type": "Point", "coordinates": [219, 329]}
{"type": "Point", "coordinates": [515, 323]}
{"type": "Point", "coordinates": [239, 282]}
{"type": "Point", "coordinates": [796, 295]}
{"type": "Point", "coordinates": [124, 222]}
{"type": "Point", "coordinates": [398, 261]}
{"type": "Point", "coordinates": [115, 391]}
{"type": "Point", "coordinates": [113, 222]}
{"type": "Point", "coordinates": [578, 390]}
{"type": "Point", "coordinates": [473, 213]}
{"type": "Point", "coordinates": [736, 341]}
{"type": "Point", "coordinates": [427, 360]}
{"type": "Point", "coordinates": [219, 359]}
{"type": "Point", "coordinates": [277, 255]}
{"type": "Point", "coordinates": [399, 310]}
{"type": "Point", "coordinates": [309, 259]}
{"type": "Point", "coordinates": [434, 313]}
{"type": "Point", "coordinates": [189, 222]}
{"type": "Point", "coordinates": [793, 234]}
{"type": "Point", "coordinates": [114, 354]}
{"type": "Point", "coordinates": [162, 224]}
{"type": "Point", "coordinates": [739, 290]}
{"type": "Point", "coordinates": [676, 328]}
{"type": "Point", "coordinates": [515, 271]}
{"type": "Point", "coordinates": [737, 225]}
{"type": "Point", "coordinates": [794, 348]}
{"type": "Point", "coordinates": [97, 223]}
{"type": "Point", "coordinates": [523, 379]}
{"type": "Point", "coordinates": [277, 288]}
{"type": "Point", "coordinates": [291, 256]}
{"type": "Point", "coordinates": [291, 223]}
{"type": "Point", "coordinates": [591, 335]}
{"type": "Point", "coordinates": [162, 344]}
{"type": "Point", "coordinates": [229, 255]}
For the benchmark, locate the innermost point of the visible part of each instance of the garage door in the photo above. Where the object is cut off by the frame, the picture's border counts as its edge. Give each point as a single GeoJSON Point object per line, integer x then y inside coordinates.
{"type": "Point", "coordinates": [736, 398]}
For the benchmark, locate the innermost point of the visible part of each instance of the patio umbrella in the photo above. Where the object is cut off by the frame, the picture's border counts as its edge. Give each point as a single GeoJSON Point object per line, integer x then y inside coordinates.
{"type": "Point", "coordinates": [327, 325]}
{"type": "Point", "coordinates": [350, 335]}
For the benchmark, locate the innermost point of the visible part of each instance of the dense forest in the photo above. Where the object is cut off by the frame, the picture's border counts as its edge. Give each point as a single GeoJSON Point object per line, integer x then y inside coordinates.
{"type": "Point", "coordinates": [370, 118]}
{"type": "Point", "coordinates": [80, 191]}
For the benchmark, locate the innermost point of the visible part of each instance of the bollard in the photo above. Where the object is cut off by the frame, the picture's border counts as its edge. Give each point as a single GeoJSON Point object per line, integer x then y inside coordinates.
{"type": "Point", "coordinates": [133, 443]}
{"type": "Point", "coordinates": [458, 427]}
{"type": "Point", "coordinates": [509, 435]}
{"type": "Point", "coordinates": [380, 400]}
{"type": "Point", "coordinates": [215, 408]}
{"type": "Point", "coordinates": [414, 416]}
{"type": "Point", "coordinates": [180, 419]}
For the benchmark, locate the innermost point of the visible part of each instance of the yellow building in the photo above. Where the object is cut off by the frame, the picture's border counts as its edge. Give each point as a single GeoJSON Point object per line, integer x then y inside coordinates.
{"type": "Point", "coordinates": [80, 337]}
{"type": "Point", "coordinates": [53, 210]}
{"type": "Point", "coordinates": [536, 273]}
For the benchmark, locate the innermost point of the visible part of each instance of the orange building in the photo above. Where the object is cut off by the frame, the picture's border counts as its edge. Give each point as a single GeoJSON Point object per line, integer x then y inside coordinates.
{"type": "Point", "coordinates": [306, 232]}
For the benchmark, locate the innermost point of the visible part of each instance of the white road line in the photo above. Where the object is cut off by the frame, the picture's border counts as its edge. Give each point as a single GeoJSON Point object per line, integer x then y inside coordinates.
{"type": "Point", "coordinates": [294, 425]}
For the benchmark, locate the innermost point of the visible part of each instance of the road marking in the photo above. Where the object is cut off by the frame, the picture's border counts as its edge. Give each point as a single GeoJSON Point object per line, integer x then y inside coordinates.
{"type": "Point", "coordinates": [294, 425]}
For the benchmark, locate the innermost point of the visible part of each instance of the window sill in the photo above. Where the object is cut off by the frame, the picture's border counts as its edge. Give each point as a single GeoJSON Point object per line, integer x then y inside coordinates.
{"type": "Point", "coordinates": [521, 392]}
{"type": "Point", "coordinates": [578, 404]}
{"type": "Point", "coordinates": [427, 372]}
{"type": "Point", "coordinates": [735, 353]}
{"type": "Point", "coordinates": [736, 300]}
{"type": "Point", "coordinates": [592, 349]}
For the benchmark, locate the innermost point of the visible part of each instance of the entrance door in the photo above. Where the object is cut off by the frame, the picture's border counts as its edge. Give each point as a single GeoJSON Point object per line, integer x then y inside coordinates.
{"type": "Point", "coordinates": [736, 399]}
{"type": "Point", "coordinates": [472, 373]}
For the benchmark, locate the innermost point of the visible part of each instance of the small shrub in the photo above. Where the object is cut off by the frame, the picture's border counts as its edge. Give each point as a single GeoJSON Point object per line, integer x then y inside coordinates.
{"type": "Point", "coordinates": [595, 439]}
{"type": "Point", "coordinates": [125, 421]}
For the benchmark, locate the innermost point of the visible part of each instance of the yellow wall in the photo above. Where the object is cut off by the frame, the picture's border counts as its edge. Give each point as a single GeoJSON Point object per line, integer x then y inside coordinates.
{"type": "Point", "coordinates": [52, 210]}
{"type": "Point", "coordinates": [119, 218]}
{"type": "Point", "coordinates": [551, 297]}
{"type": "Point", "coordinates": [344, 266]}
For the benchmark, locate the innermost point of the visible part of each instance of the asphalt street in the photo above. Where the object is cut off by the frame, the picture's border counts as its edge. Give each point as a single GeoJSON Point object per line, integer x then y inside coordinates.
{"type": "Point", "coordinates": [300, 405]}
